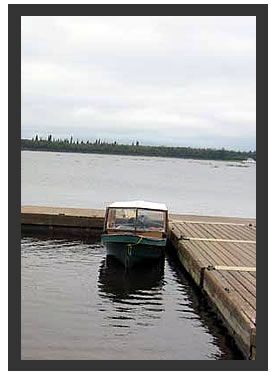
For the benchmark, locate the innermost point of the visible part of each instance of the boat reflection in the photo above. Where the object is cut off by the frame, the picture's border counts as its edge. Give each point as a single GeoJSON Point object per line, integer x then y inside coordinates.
{"type": "Point", "coordinates": [117, 283]}
{"type": "Point", "coordinates": [135, 296]}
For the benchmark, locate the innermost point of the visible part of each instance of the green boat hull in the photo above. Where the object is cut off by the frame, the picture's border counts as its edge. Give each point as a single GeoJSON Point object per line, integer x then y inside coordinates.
{"type": "Point", "coordinates": [133, 249]}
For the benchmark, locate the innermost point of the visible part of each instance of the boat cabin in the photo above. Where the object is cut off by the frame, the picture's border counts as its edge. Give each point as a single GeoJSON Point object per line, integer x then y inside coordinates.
{"type": "Point", "coordinates": [139, 217]}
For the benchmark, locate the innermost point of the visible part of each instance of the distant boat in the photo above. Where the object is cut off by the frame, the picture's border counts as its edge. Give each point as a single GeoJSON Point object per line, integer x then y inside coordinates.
{"type": "Point", "coordinates": [249, 160]}
{"type": "Point", "coordinates": [135, 231]}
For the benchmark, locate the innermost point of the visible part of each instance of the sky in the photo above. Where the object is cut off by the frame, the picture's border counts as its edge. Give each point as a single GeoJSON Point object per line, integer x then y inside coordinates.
{"type": "Point", "coordinates": [182, 81]}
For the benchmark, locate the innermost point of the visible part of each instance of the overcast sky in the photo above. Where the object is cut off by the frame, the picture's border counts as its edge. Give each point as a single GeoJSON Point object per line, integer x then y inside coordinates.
{"type": "Point", "coordinates": [186, 81]}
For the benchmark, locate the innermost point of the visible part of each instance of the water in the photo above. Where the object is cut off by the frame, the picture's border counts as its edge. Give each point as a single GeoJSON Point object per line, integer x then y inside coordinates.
{"type": "Point", "coordinates": [93, 181]}
{"type": "Point", "coordinates": [77, 305]}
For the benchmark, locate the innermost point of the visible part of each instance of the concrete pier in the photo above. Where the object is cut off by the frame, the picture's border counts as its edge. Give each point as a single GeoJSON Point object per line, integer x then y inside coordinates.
{"type": "Point", "coordinates": [219, 253]}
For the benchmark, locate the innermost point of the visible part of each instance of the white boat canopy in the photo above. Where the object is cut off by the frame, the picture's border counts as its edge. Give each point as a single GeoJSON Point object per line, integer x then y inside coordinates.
{"type": "Point", "coordinates": [139, 204]}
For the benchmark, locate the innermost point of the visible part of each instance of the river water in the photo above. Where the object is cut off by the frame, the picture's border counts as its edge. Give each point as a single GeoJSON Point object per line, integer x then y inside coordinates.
{"type": "Point", "coordinates": [92, 181]}
{"type": "Point", "coordinates": [76, 304]}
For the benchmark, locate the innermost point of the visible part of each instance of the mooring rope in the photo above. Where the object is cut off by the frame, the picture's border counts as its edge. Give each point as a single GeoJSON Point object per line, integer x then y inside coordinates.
{"type": "Point", "coordinates": [130, 246]}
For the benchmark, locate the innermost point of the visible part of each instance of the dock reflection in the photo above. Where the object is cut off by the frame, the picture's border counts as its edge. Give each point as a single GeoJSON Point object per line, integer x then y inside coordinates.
{"type": "Point", "coordinates": [191, 305]}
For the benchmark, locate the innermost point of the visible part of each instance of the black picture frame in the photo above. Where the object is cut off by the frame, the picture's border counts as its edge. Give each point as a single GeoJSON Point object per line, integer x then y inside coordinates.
{"type": "Point", "coordinates": [14, 25]}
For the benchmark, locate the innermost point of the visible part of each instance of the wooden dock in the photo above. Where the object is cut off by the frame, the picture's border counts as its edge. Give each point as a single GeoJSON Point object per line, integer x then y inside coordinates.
{"type": "Point", "coordinates": [70, 222]}
{"type": "Point", "coordinates": [219, 253]}
{"type": "Point", "coordinates": [220, 256]}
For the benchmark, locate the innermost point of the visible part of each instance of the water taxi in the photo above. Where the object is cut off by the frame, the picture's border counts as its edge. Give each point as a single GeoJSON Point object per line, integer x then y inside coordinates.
{"type": "Point", "coordinates": [135, 231]}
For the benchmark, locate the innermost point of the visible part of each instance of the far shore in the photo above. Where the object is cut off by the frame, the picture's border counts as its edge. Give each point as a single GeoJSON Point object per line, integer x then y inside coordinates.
{"type": "Point", "coordinates": [102, 148]}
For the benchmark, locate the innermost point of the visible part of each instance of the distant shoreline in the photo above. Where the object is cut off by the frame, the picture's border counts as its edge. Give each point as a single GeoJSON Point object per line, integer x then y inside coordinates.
{"type": "Point", "coordinates": [135, 150]}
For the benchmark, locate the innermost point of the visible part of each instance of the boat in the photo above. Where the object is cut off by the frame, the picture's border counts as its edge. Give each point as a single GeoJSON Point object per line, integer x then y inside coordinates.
{"type": "Point", "coordinates": [250, 161]}
{"type": "Point", "coordinates": [135, 231]}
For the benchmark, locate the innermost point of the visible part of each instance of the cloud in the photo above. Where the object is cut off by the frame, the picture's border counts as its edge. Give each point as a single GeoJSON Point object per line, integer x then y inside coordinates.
{"type": "Point", "coordinates": [173, 79]}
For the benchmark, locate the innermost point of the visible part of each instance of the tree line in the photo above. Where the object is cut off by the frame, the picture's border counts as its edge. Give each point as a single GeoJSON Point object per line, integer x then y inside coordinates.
{"type": "Point", "coordinates": [99, 146]}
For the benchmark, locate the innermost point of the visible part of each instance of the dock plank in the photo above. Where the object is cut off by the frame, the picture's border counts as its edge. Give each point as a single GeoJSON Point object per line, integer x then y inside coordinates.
{"type": "Point", "coordinates": [237, 314]}
{"type": "Point", "coordinates": [206, 243]}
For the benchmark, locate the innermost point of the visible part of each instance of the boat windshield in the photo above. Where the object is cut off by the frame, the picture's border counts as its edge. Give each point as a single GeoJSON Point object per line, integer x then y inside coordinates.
{"type": "Point", "coordinates": [150, 220]}
{"type": "Point", "coordinates": [136, 219]}
{"type": "Point", "coordinates": [121, 218]}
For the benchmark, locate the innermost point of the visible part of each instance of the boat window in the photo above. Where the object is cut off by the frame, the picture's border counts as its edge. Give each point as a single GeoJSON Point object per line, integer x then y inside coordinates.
{"type": "Point", "coordinates": [122, 219]}
{"type": "Point", "coordinates": [148, 220]}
